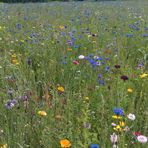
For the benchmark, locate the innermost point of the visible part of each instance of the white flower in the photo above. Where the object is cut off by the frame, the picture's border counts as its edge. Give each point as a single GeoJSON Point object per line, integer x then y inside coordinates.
{"type": "Point", "coordinates": [131, 117]}
{"type": "Point", "coordinates": [114, 138]}
{"type": "Point", "coordinates": [81, 57]}
{"type": "Point", "coordinates": [115, 146]}
{"type": "Point", "coordinates": [142, 139]}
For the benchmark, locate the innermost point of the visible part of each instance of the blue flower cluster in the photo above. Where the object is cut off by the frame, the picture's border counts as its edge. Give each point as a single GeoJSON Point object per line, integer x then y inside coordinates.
{"type": "Point", "coordinates": [118, 111]}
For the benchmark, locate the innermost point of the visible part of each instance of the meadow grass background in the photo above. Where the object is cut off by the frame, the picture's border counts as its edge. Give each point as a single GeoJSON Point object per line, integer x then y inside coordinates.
{"type": "Point", "coordinates": [38, 35]}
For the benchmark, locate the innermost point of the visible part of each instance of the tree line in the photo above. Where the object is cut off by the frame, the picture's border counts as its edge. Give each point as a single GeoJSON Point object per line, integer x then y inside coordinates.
{"type": "Point", "coordinates": [25, 1]}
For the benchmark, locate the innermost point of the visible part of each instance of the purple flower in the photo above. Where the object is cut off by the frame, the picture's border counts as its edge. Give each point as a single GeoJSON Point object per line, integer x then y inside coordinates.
{"type": "Point", "coordinates": [117, 66]}
{"type": "Point", "coordinates": [70, 43]}
{"type": "Point", "coordinates": [99, 76]}
{"type": "Point", "coordinates": [124, 78]}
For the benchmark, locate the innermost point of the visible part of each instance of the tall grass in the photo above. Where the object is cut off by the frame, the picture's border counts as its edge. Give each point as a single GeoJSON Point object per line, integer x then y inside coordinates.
{"type": "Point", "coordinates": [35, 60]}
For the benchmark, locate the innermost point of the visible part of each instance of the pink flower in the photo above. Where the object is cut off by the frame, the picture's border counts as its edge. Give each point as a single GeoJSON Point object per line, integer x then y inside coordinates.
{"type": "Point", "coordinates": [75, 62]}
{"type": "Point", "coordinates": [113, 124]}
{"type": "Point", "coordinates": [142, 139]}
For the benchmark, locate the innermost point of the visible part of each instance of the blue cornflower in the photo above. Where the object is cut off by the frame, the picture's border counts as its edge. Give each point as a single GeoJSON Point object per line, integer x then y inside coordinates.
{"type": "Point", "coordinates": [76, 46]}
{"type": "Point", "coordinates": [100, 76]}
{"type": "Point", "coordinates": [25, 18]}
{"type": "Point", "coordinates": [100, 58]}
{"type": "Point", "coordinates": [118, 111]}
{"type": "Point", "coordinates": [107, 68]}
{"type": "Point", "coordinates": [129, 35]}
{"type": "Point", "coordinates": [10, 104]}
{"type": "Point", "coordinates": [144, 35]}
{"type": "Point", "coordinates": [71, 34]}
{"type": "Point", "coordinates": [94, 146]}
{"type": "Point", "coordinates": [146, 28]}
{"type": "Point", "coordinates": [93, 63]}
{"type": "Point", "coordinates": [101, 82]}
{"type": "Point", "coordinates": [18, 26]}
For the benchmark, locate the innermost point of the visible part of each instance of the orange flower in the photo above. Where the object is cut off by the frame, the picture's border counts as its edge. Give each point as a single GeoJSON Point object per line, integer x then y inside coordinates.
{"type": "Point", "coordinates": [65, 143]}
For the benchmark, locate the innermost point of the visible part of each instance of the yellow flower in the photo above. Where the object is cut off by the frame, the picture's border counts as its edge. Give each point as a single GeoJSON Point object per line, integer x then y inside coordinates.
{"type": "Point", "coordinates": [42, 113]}
{"type": "Point", "coordinates": [117, 128]}
{"type": "Point", "coordinates": [65, 143]}
{"type": "Point", "coordinates": [61, 27]}
{"type": "Point", "coordinates": [122, 124]}
{"type": "Point", "coordinates": [60, 89]}
{"type": "Point", "coordinates": [130, 90]}
{"type": "Point", "coordinates": [15, 61]}
{"type": "Point", "coordinates": [3, 146]}
{"type": "Point", "coordinates": [116, 117]}
{"type": "Point", "coordinates": [87, 98]}
{"type": "Point", "coordinates": [143, 75]}
{"type": "Point", "coordinates": [13, 55]}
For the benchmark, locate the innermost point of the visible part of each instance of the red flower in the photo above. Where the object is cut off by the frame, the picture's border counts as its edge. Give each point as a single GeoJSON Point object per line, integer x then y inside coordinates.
{"type": "Point", "coordinates": [137, 134]}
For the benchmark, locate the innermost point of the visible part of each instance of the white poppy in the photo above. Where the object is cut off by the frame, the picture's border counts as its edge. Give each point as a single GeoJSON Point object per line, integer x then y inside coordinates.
{"type": "Point", "coordinates": [114, 138]}
{"type": "Point", "coordinates": [81, 57]}
{"type": "Point", "coordinates": [131, 117]}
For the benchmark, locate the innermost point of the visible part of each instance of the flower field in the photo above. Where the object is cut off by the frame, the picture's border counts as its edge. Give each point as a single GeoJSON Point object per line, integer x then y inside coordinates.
{"type": "Point", "coordinates": [74, 75]}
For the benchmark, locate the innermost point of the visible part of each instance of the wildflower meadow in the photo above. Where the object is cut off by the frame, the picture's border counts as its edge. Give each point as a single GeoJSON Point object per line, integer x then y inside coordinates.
{"type": "Point", "coordinates": [74, 75]}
